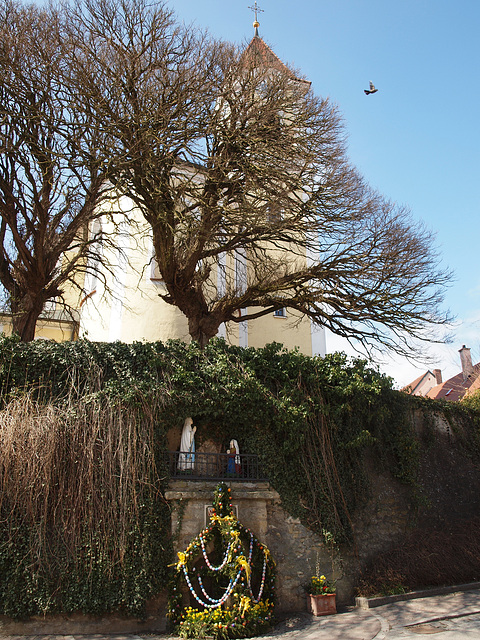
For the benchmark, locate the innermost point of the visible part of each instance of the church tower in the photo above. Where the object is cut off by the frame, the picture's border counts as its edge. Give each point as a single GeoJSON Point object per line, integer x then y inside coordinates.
{"type": "Point", "coordinates": [125, 304]}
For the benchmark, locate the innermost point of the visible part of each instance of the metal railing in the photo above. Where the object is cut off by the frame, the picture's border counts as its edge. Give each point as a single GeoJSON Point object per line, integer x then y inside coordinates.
{"type": "Point", "coordinates": [214, 466]}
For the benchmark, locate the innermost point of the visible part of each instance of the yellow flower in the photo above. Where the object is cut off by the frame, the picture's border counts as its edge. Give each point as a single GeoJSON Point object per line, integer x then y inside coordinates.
{"type": "Point", "coordinates": [241, 560]}
{"type": "Point", "coordinates": [182, 559]}
{"type": "Point", "coordinates": [245, 604]}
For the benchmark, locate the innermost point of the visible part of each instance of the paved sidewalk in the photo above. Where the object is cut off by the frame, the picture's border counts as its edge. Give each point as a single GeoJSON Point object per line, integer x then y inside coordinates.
{"type": "Point", "coordinates": [350, 624]}
{"type": "Point", "coordinates": [354, 624]}
{"type": "Point", "coordinates": [429, 609]}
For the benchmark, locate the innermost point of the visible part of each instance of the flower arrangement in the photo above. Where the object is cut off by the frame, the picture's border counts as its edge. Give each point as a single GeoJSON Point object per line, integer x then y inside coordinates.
{"type": "Point", "coordinates": [242, 620]}
{"type": "Point", "coordinates": [223, 584]}
{"type": "Point", "coordinates": [319, 585]}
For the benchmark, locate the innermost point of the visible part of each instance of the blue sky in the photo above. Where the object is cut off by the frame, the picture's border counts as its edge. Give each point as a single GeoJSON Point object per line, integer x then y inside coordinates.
{"type": "Point", "coordinates": [417, 140]}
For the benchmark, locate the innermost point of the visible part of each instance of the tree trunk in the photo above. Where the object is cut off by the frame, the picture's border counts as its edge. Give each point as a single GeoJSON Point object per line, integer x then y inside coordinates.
{"type": "Point", "coordinates": [24, 318]}
{"type": "Point", "coordinates": [202, 329]}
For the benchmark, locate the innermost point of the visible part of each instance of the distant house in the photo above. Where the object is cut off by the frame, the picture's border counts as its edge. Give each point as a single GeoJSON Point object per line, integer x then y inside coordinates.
{"type": "Point", "coordinates": [430, 383]}
{"type": "Point", "coordinates": [422, 385]}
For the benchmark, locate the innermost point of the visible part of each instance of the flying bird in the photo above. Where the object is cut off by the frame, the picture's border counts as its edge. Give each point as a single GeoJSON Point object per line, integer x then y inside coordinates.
{"type": "Point", "coordinates": [372, 89]}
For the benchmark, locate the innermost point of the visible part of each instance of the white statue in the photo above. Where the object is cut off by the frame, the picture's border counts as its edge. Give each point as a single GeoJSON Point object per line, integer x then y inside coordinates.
{"type": "Point", "coordinates": [186, 459]}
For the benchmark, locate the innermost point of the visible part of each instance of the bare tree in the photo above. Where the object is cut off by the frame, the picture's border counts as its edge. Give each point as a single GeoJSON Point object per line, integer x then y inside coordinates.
{"type": "Point", "coordinates": [234, 161]}
{"type": "Point", "coordinates": [51, 164]}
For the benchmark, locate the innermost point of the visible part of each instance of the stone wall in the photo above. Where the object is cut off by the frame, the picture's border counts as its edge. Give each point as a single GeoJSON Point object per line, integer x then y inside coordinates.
{"type": "Point", "coordinates": [447, 493]}
{"type": "Point", "coordinates": [449, 471]}
{"type": "Point", "coordinates": [64, 625]}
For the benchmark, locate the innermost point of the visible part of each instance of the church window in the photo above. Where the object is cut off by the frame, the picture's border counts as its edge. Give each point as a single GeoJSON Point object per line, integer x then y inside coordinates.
{"type": "Point", "coordinates": [274, 213]}
{"type": "Point", "coordinates": [155, 275]}
{"type": "Point", "coordinates": [94, 258]}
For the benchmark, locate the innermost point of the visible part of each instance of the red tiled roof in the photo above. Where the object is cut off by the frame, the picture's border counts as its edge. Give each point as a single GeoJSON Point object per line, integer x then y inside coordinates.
{"type": "Point", "coordinates": [475, 386]}
{"type": "Point", "coordinates": [456, 387]}
{"type": "Point", "coordinates": [258, 53]}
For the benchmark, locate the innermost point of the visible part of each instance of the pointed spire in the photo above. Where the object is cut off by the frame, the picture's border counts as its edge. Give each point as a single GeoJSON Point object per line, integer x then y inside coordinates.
{"type": "Point", "coordinates": [259, 54]}
{"type": "Point", "coordinates": [256, 23]}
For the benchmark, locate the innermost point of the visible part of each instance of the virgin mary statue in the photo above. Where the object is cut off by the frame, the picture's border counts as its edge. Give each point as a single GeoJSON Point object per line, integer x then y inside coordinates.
{"type": "Point", "coordinates": [186, 459]}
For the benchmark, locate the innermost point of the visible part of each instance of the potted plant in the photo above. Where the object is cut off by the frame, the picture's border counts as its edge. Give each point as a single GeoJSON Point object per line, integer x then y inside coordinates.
{"type": "Point", "coordinates": [321, 596]}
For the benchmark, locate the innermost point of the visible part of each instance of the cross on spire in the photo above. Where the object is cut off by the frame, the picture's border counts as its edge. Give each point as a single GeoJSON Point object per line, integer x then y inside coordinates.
{"type": "Point", "coordinates": [257, 10]}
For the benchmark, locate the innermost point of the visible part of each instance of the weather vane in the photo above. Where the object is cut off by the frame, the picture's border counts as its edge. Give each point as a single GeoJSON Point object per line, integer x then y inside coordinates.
{"type": "Point", "coordinates": [256, 9]}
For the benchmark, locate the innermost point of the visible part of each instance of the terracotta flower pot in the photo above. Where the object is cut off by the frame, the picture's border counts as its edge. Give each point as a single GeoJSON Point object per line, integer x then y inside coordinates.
{"type": "Point", "coordinates": [322, 605]}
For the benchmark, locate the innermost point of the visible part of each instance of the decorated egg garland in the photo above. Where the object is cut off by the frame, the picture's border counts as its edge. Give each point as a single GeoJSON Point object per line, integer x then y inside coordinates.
{"type": "Point", "coordinates": [223, 584]}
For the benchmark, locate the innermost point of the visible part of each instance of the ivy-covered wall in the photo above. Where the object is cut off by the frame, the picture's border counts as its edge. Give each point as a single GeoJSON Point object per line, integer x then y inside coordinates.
{"type": "Point", "coordinates": [98, 414]}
